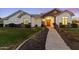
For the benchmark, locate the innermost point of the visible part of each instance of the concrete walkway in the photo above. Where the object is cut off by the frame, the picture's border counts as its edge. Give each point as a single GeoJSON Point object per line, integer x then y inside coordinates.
{"type": "Point", "coordinates": [54, 41]}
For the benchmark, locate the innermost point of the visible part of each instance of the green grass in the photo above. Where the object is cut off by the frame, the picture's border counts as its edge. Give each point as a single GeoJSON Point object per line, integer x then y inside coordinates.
{"type": "Point", "coordinates": [14, 36]}
{"type": "Point", "coordinates": [74, 32]}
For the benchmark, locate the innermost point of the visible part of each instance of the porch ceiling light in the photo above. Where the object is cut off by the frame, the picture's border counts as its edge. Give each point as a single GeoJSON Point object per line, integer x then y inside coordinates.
{"type": "Point", "coordinates": [43, 20]}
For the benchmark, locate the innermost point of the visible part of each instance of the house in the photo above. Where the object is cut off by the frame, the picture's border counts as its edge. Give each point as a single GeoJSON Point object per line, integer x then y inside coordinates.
{"type": "Point", "coordinates": [36, 20]}
{"type": "Point", "coordinates": [50, 18]}
{"type": "Point", "coordinates": [57, 16]}
{"type": "Point", "coordinates": [17, 18]}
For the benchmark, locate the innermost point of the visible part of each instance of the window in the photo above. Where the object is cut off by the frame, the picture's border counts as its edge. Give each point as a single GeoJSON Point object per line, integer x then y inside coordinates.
{"type": "Point", "coordinates": [25, 21]}
{"type": "Point", "coordinates": [64, 20]}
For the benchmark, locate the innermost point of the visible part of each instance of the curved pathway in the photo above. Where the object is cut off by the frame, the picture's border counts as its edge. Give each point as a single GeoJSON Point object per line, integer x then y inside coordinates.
{"type": "Point", "coordinates": [54, 41]}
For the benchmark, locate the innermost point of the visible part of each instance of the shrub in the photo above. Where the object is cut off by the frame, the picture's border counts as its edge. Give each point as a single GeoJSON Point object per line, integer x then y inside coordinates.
{"type": "Point", "coordinates": [69, 24]}
{"type": "Point", "coordinates": [12, 25]}
{"type": "Point", "coordinates": [62, 26]}
{"type": "Point", "coordinates": [1, 25]}
{"type": "Point", "coordinates": [74, 25]}
{"type": "Point", "coordinates": [6, 25]}
{"type": "Point", "coordinates": [28, 25]}
{"type": "Point", "coordinates": [36, 25]}
{"type": "Point", "coordinates": [18, 25]}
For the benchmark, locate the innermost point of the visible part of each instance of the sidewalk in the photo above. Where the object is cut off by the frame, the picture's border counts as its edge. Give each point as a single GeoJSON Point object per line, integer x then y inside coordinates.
{"type": "Point", "coordinates": [54, 41]}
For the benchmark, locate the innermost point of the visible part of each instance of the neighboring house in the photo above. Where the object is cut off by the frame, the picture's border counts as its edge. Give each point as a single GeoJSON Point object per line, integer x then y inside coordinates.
{"type": "Point", "coordinates": [50, 18]}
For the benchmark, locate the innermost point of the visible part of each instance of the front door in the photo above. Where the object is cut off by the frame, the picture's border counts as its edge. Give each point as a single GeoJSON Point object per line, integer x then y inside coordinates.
{"type": "Point", "coordinates": [48, 21]}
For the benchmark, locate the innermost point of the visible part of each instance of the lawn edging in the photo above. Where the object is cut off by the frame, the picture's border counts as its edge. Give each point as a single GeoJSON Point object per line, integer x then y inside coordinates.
{"type": "Point", "coordinates": [27, 40]}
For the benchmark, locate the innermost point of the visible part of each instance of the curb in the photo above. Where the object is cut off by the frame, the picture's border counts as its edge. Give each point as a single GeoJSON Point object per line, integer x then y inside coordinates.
{"type": "Point", "coordinates": [26, 40]}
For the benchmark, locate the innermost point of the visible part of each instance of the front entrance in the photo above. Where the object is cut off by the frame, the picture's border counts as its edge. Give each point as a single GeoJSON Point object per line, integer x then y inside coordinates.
{"type": "Point", "coordinates": [49, 21]}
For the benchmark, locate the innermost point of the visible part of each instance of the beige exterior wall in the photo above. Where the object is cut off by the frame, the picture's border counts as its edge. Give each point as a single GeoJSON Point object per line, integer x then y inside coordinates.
{"type": "Point", "coordinates": [14, 19]}
{"type": "Point", "coordinates": [65, 14]}
{"type": "Point", "coordinates": [36, 21]}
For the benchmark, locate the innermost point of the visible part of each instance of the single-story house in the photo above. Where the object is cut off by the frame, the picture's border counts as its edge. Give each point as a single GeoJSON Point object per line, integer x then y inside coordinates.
{"type": "Point", "coordinates": [48, 19]}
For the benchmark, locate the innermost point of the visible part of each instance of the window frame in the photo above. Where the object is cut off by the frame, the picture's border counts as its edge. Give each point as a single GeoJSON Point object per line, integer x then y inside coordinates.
{"type": "Point", "coordinates": [64, 20]}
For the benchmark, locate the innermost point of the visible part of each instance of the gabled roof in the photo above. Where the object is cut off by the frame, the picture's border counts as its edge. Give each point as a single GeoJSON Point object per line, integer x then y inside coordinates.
{"type": "Point", "coordinates": [71, 13]}
{"type": "Point", "coordinates": [56, 12]}
{"type": "Point", "coordinates": [53, 12]}
{"type": "Point", "coordinates": [19, 11]}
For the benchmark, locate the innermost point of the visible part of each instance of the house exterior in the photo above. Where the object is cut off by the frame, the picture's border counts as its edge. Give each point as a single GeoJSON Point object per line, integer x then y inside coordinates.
{"type": "Point", "coordinates": [56, 17]}
{"type": "Point", "coordinates": [18, 17]}
{"type": "Point", "coordinates": [50, 18]}
{"type": "Point", "coordinates": [36, 20]}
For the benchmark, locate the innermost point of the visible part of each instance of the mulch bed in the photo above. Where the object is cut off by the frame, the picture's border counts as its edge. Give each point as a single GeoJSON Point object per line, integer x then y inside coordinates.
{"type": "Point", "coordinates": [70, 40]}
{"type": "Point", "coordinates": [37, 42]}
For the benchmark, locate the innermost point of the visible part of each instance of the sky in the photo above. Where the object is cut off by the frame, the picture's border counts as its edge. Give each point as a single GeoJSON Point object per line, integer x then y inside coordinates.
{"type": "Point", "coordinates": [4, 12]}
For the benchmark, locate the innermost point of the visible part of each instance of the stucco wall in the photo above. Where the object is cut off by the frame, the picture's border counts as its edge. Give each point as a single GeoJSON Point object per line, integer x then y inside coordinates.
{"type": "Point", "coordinates": [35, 21]}
{"type": "Point", "coordinates": [14, 19]}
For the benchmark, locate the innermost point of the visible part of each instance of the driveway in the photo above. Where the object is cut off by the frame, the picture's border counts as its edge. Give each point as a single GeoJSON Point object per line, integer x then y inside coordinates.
{"type": "Point", "coordinates": [54, 41]}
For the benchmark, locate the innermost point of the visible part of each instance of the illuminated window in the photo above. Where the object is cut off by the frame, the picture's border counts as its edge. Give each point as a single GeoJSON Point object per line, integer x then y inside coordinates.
{"type": "Point", "coordinates": [25, 21]}
{"type": "Point", "coordinates": [64, 20]}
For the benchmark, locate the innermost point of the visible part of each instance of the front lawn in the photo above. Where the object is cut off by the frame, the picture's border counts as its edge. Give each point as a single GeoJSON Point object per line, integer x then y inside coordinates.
{"type": "Point", "coordinates": [71, 37]}
{"type": "Point", "coordinates": [10, 38]}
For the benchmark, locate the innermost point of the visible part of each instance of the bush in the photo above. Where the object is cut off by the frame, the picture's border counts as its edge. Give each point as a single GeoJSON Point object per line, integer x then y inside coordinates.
{"type": "Point", "coordinates": [36, 25]}
{"type": "Point", "coordinates": [69, 25]}
{"type": "Point", "coordinates": [28, 25]}
{"type": "Point", "coordinates": [18, 25]}
{"type": "Point", "coordinates": [1, 25]}
{"type": "Point", "coordinates": [74, 25]}
{"type": "Point", "coordinates": [6, 25]}
{"type": "Point", "coordinates": [12, 25]}
{"type": "Point", "coordinates": [62, 26]}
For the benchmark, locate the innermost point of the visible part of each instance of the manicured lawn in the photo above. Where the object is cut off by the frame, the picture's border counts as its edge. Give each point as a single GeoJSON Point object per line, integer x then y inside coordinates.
{"type": "Point", "coordinates": [71, 37]}
{"type": "Point", "coordinates": [12, 37]}
{"type": "Point", "coordinates": [72, 31]}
